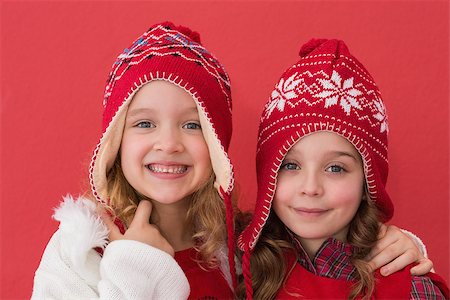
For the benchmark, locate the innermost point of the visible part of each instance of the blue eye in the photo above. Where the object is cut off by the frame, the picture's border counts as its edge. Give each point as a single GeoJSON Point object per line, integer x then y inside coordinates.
{"type": "Point", "coordinates": [290, 166]}
{"type": "Point", "coordinates": [145, 124]}
{"type": "Point", "coordinates": [192, 125]}
{"type": "Point", "coordinates": [335, 169]}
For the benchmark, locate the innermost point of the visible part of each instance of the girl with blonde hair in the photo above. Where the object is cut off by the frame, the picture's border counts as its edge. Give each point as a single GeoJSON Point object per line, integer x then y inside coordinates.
{"type": "Point", "coordinates": [162, 181]}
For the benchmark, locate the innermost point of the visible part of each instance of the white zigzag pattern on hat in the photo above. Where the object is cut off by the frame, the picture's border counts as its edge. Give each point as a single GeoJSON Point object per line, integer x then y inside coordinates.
{"type": "Point", "coordinates": [210, 65]}
{"type": "Point", "coordinates": [330, 91]}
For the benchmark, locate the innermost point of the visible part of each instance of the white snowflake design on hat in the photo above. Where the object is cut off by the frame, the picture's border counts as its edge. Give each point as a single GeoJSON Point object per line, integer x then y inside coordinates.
{"type": "Point", "coordinates": [381, 115]}
{"type": "Point", "coordinates": [334, 91]}
{"type": "Point", "coordinates": [284, 90]}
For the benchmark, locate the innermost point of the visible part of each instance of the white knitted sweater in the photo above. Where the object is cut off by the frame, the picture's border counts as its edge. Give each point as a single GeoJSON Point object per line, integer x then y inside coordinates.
{"type": "Point", "coordinates": [71, 269]}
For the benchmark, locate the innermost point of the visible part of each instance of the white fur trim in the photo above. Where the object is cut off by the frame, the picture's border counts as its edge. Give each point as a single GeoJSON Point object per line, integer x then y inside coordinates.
{"type": "Point", "coordinates": [81, 231]}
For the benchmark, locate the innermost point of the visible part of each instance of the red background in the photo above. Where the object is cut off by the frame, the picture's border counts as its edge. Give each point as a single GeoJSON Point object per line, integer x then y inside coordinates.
{"type": "Point", "coordinates": [55, 57]}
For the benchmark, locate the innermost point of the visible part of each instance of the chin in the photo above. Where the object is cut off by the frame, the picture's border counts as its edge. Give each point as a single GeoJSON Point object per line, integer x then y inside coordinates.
{"type": "Point", "coordinates": [166, 199]}
{"type": "Point", "coordinates": [314, 235]}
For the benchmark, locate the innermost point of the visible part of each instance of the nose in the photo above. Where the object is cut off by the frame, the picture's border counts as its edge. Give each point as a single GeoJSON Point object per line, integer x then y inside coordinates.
{"type": "Point", "coordinates": [169, 140]}
{"type": "Point", "coordinates": [311, 185]}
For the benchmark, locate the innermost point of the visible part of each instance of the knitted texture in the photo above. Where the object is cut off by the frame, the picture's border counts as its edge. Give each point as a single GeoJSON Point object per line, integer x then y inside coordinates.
{"type": "Point", "coordinates": [326, 90]}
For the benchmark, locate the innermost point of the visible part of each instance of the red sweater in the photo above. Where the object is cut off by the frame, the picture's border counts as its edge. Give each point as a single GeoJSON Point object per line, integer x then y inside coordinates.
{"type": "Point", "coordinates": [205, 284]}
{"type": "Point", "coordinates": [330, 275]}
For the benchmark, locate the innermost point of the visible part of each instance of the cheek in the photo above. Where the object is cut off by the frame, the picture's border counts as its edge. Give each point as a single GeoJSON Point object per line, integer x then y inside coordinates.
{"type": "Point", "coordinates": [126, 152]}
{"type": "Point", "coordinates": [127, 144]}
{"type": "Point", "coordinates": [284, 192]}
{"type": "Point", "coordinates": [125, 163]}
{"type": "Point", "coordinates": [130, 153]}
{"type": "Point", "coordinates": [135, 144]}
{"type": "Point", "coordinates": [200, 152]}
{"type": "Point", "coordinates": [282, 200]}
{"type": "Point", "coordinates": [347, 197]}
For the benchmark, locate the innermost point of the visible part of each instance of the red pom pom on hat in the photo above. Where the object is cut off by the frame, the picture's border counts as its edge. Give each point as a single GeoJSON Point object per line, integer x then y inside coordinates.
{"type": "Point", "coordinates": [321, 46]}
{"type": "Point", "coordinates": [310, 46]}
{"type": "Point", "coordinates": [193, 35]}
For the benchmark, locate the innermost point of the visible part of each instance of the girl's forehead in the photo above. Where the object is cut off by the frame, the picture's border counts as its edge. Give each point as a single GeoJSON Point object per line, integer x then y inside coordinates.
{"type": "Point", "coordinates": [160, 96]}
{"type": "Point", "coordinates": [159, 109]}
{"type": "Point", "coordinates": [323, 142]}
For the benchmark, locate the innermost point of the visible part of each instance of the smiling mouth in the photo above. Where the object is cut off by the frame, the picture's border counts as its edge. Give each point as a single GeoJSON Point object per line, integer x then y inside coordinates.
{"type": "Point", "coordinates": [164, 169]}
{"type": "Point", "coordinates": [311, 211]}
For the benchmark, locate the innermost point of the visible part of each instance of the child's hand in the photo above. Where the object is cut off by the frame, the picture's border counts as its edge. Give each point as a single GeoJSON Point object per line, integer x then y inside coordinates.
{"type": "Point", "coordinates": [140, 229]}
{"type": "Point", "coordinates": [394, 251]}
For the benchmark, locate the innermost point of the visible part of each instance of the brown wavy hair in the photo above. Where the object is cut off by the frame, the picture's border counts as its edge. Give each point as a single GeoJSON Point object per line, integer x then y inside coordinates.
{"type": "Point", "coordinates": [274, 243]}
{"type": "Point", "coordinates": [206, 213]}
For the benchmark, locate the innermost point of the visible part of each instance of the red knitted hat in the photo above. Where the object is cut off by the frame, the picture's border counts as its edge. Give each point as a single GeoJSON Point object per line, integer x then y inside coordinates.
{"type": "Point", "coordinates": [326, 90]}
{"type": "Point", "coordinates": [174, 54]}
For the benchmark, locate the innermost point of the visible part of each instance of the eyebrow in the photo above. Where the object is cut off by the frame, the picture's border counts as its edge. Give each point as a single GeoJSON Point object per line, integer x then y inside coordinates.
{"type": "Point", "coordinates": [342, 153]}
{"type": "Point", "coordinates": [138, 111]}
{"type": "Point", "coordinates": [334, 153]}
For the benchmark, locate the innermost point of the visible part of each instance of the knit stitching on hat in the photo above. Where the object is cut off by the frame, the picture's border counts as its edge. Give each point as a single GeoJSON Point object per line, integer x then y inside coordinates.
{"type": "Point", "coordinates": [91, 174]}
{"type": "Point", "coordinates": [319, 55]}
{"type": "Point", "coordinates": [155, 51]}
{"type": "Point", "coordinates": [340, 56]}
{"type": "Point", "coordinates": [294, 86]}
{"type": "Point", "coordinates": [320, 116]}
{"type": "Point", "coordinates": [362, 74]}
{"type": "Point", "coordinates": [359, 67]}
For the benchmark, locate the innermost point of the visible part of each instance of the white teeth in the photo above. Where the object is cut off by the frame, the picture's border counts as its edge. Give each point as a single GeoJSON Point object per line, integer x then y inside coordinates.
{"type": "Point", "coordinates": [167, 169]}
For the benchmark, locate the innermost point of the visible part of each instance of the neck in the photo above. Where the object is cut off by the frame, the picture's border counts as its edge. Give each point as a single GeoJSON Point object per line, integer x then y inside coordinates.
{"type": "Point", "coordinates": [172, 223]}
{"type": "Point", "coordinates": [312, 245]}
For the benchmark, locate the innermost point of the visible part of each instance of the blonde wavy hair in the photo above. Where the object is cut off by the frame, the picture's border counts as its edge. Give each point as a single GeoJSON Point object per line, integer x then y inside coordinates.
{"type": "Point", "coordinates": [206, 213]}
{"type": "Point", "coordinates": [274, 243]}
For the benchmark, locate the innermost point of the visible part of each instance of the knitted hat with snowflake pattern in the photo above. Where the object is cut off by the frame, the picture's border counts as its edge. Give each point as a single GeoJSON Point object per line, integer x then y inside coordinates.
{"type": "Point", "coordinates": [326, 90]}
{"type": "Point", "coordinates": [173, 54]}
